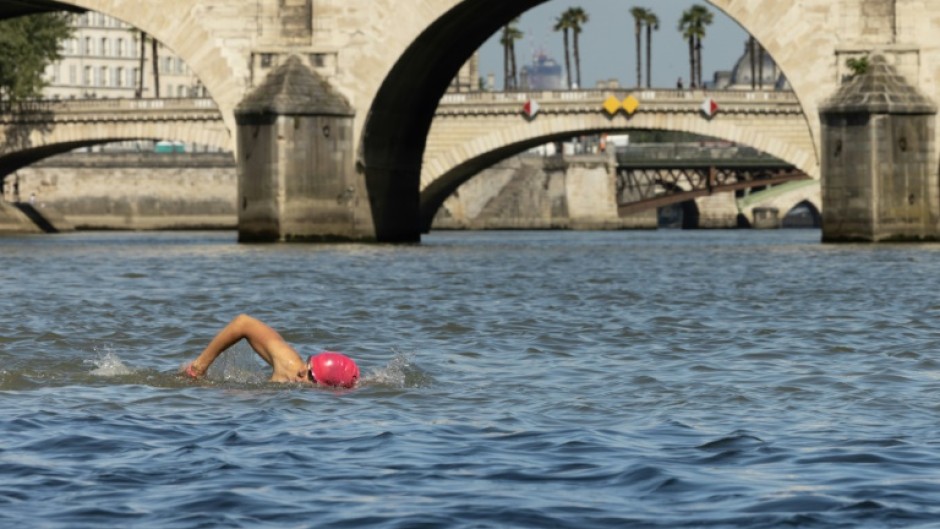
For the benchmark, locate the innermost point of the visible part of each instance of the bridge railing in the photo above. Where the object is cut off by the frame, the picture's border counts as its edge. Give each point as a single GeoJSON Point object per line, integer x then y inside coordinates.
{"type": "Point", "coordinates": [663, 95]}
{"type": "Point", "coordinates": [76, 106]}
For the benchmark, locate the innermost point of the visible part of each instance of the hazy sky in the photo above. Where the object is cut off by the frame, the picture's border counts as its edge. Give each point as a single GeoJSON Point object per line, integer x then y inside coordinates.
{"type": "Point", "coordinates": [608, 48]}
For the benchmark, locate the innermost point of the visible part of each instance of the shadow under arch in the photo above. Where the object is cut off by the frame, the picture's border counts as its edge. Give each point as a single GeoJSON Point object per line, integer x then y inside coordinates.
{"type": "Point", "coordinates": [396, 129]}
{"type": "Point", "coordinates": [803, 215]}
{"type": "Point", "coordinates": [17, 8]}
{"type": "Point", "coordinates": [687, 210]}
{"type": "Point", "coordinates": [433, 196]}
{"type": "Point", "coordinates": [14, 161]}
{"type": "Point", "coordinates": [397, 125]}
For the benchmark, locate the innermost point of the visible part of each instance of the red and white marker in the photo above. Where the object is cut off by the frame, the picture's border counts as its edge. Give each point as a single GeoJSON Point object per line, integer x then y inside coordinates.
{"type": "Point", "coordinates": [530, 108]}
{"type": "Point", "coordinates": [709, 107]}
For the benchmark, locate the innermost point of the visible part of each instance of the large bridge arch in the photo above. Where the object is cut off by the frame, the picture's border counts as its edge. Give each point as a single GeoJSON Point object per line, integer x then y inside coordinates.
{"type": "Point", "coordinates": [395, 133]}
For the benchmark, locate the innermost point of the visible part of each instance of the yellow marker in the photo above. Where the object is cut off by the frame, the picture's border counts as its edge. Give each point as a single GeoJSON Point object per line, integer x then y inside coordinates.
{"type": "Point", "coordinates": [612, 105]}
{"type": "Point", "coordinates": [630, 104]}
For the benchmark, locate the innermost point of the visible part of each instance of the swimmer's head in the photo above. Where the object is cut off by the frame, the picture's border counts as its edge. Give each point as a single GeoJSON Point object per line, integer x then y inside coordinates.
{"type": "Point", "coordinates": [333, 369]}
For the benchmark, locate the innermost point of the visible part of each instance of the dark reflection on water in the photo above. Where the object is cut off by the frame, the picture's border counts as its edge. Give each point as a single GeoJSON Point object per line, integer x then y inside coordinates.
{"type": "Point", "coordinates": [558, 379]}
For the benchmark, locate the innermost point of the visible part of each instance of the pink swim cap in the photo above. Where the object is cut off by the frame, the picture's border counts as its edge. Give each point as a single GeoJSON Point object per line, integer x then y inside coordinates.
{"type": "Point", "coordinates": [334, 369]}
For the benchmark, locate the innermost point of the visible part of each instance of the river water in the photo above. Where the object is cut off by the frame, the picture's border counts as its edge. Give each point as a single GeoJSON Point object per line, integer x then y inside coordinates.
{"type": "Point", "coordinates": [511, 379]}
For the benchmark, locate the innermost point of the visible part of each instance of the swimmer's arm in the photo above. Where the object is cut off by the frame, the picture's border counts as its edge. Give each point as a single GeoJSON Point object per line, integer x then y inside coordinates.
{"type": "Point", "coordinates": [260, 336]}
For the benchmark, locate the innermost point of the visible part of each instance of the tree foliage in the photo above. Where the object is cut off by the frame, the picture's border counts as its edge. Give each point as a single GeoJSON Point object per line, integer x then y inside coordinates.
{"type": "Point", "coordinates": [692, 25]}
{"type": "Point", "coordinates": [27, 45]}
{"type": "Point", "coordinates": [858, 65]}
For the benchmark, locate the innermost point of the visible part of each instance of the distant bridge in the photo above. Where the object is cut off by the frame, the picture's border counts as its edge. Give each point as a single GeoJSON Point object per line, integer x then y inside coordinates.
{"type": "Point", "coordinates": [40, 129]}
{"type": "Point", "coordinates": [473, 131]}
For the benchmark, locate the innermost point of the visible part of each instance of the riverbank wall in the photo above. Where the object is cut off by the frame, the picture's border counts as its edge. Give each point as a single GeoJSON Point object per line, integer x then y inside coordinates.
{"type": "Point", "coordinates": [185, 191]}
{"type": "Point", "coordinates": [135, 191]}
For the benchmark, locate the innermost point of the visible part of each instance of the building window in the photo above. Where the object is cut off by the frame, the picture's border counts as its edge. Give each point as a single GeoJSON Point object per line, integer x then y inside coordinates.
{"type": "Point", "coordinates": [101, 76]}
{"type": "Point", "coordinates": [73, 75]}
{"type": "Point", "coordinates": [119, 49]}
{"type": "Point", "coordinates": [132, 77]}
{"type": "Point", "coordinates": [117, 77]}
{"type": "Point", "coordinates": [86, 76]}
{"type": "Point", "coordinates": [87, 49]}
{"type": "Point", "coordinates": [318, 60]}
{"type": "Point", "coordinates": [267, 59]}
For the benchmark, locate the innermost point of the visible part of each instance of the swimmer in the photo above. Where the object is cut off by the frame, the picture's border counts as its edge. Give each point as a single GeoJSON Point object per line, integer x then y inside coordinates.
{"type": "Point", "coordinates": [327, 368]}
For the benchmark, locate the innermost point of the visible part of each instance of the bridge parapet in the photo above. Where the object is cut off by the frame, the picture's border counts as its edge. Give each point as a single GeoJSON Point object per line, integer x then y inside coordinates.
{"type": "Point", "coordinates": [68, 110]}
{"type": "Point", "coordinates": [583, 101]}
{"type": "Point", "coordinates": [34, 130]}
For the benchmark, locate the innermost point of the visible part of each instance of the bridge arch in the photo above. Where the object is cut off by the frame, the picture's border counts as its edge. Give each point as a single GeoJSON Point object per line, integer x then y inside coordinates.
{"type": "Point", "coordinates": [395, 133]}
{"type": "Point", "coordinates": [783, 198]}
{"type": "Point", "coordinates": [445, 172]}
{"type": "Point", "coordinates": [37, 144]}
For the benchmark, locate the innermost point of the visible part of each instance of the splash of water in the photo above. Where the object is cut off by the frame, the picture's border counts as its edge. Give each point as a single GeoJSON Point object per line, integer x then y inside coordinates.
{"type": "Point", "coordinates": [400, 372]}
{"type": "Point", "coordinates": [107, 364]}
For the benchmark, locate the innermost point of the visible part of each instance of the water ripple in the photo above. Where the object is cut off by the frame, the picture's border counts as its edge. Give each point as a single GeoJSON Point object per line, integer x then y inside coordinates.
{"type": "Point", "coordinates": [556, 379]}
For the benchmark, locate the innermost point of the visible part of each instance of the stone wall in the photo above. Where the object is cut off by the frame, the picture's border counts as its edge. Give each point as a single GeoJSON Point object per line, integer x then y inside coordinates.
{"type": "Point", "coordinates": [149, 191]}
{"type": "Point", "coordinates": [533, 192]}
{"type": "Point", "coordinates": [12, 220]}
{"type": "Point", "coordinates": [137, 191]}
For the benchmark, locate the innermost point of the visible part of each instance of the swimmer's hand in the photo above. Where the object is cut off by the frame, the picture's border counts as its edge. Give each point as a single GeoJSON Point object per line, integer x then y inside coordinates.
{"type": "Point", "coordinates": [190, 371]}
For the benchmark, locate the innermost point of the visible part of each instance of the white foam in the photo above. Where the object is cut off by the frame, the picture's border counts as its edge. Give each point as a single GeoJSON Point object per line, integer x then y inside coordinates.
{"type": "Point", "coordinates": [400, 372]}
{"type": "Point", "coordinates": [109, 365]}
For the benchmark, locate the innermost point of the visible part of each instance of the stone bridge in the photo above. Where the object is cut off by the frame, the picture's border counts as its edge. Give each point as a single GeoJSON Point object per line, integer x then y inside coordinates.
{"type": "Point", "coordinates": [393, 65]}
{"type": "Point", "coordinates": [472, 131]}
{"type": "Point", "coordinates": [41, 129]}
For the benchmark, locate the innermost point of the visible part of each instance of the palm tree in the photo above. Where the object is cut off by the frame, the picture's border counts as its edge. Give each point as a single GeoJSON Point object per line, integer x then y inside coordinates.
{"type": "Point", "coordinates": [692, 24]}
{"type": "Point", "coordinates": [563, 24]}
{"type": "Point", "coordinates": [511, 34]}
{"type": "Point", "coordinates": [705, 18]}
{"type": "Point", "coordinates": [688, 33]}
{"type": "Point", "coordinates": [652, 24]}
{"type": "Point", "coordinates": [639, 17]}
{"type": "Point", "coordinates": [578, 18]}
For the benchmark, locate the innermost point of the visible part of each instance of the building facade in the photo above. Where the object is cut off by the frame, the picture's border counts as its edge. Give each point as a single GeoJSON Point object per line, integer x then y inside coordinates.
{"type": "Point", "coordinates": [104, 59]}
